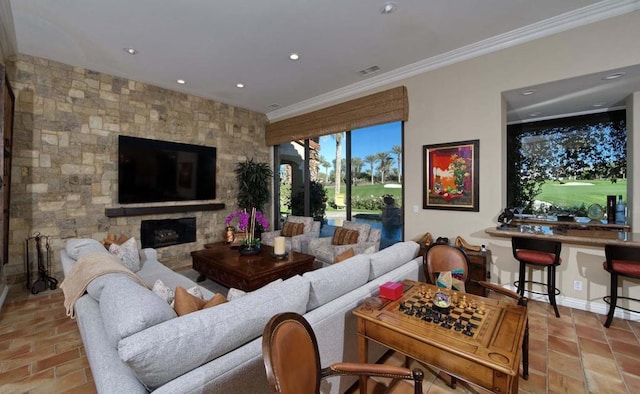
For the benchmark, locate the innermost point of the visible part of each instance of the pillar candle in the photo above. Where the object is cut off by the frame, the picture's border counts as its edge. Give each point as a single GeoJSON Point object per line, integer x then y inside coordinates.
{"type": "Point", "coordinates": [278, 245]}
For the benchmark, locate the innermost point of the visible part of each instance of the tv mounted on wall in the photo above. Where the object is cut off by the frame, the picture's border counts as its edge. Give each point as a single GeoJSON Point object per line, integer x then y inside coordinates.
{"type": "Point", "coordinates": [155, 171]}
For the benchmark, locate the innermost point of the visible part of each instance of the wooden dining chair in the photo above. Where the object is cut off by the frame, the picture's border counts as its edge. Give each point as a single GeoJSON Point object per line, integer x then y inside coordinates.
{"type": "Point", "coordinates": [292, 360]}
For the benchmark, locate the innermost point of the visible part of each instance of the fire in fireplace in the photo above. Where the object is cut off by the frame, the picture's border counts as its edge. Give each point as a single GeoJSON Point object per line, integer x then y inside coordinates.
{"type": "Point", "coordinates": [166, 232]}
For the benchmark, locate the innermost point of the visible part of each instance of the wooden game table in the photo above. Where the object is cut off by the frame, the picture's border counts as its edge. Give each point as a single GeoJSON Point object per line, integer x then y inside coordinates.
{"type": "Point", "coordinates": [488, 355]}
{"type": "Point", "coordinates": [224, 264]}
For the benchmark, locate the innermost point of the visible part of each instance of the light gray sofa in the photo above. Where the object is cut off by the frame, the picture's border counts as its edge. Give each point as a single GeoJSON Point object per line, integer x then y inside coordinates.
{"type": "Point", "coordinates": [218, 350]}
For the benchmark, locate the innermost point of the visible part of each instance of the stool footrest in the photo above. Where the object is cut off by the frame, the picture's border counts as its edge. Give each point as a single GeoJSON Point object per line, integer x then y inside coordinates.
{"type": "Point", "coordinates": [556, 290]}
{"type": "Point", "coordinates": [607, 299]}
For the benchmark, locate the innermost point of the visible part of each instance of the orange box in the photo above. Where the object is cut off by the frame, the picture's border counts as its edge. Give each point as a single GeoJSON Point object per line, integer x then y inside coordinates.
{"type": "Point", "coordinates": [391, 290]}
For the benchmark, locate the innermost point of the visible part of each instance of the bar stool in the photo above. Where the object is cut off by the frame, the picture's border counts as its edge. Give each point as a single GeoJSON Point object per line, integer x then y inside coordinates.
{"type": "Point", "coordinates": [541, 253]}
{"type": "Point", "coordinates": [621, 261]}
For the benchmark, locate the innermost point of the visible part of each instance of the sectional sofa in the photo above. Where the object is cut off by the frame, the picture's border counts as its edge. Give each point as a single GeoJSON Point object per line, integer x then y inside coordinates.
{"type": "Point", "coordinates": [135, 343]}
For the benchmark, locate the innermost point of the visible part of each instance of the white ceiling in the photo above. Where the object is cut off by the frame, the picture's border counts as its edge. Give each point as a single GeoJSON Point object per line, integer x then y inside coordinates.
{"type": "Point", "coordinates": [214, 45]}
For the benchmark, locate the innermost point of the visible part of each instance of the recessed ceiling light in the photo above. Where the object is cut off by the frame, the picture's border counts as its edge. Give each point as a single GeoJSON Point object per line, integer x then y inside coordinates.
{"type": "Point", "coordinates": [181, 81]}
{"type": "Point", "coordinates": [613, 76]}
{"type": "Point", "coordinates": [534, 114]}
{"type": "Point", "coordinates": [294, 56]}
{"type": "Point", "coordinates": [598, 105]}
{"type": "Point", "coordinates": [130, 51]}
{"type": "Point", "coordinates": [388, 7]}
{"type": "Point", "coordinates": [240, 85]}
{"type": "Point", "coordinates": [528, 92]}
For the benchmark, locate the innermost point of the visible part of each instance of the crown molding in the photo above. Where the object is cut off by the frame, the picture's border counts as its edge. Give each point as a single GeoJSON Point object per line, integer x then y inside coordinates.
{"type": "Point", "coordinates": [596, 12]}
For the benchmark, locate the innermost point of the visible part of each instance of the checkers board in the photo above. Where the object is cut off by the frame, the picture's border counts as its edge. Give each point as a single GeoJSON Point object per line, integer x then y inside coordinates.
{"type": "Point", "coordinates": [476, 339]}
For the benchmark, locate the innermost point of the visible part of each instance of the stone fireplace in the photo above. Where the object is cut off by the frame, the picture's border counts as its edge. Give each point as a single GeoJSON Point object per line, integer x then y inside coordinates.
{"type": "Point", "coordinates": [166, 232]}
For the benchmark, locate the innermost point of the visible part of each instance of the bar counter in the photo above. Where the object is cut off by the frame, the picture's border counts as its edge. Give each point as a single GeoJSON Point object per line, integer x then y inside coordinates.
{"type": "Point", "coordinates": [568, 234]}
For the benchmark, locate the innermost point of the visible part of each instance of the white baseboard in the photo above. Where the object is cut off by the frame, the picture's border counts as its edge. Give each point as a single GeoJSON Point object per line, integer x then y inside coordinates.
{"type": "Point", "coordinates": [589, 306]}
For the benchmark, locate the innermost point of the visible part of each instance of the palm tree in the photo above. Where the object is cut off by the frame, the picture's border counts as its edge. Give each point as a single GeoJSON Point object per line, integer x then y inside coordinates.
{"type": "Point", "coordinates": [371, 159]}
{"type": "Point", "coordinates": [356, 167]}
{"type": "Point", "coordinates": [397, 150]}
{"type": "Point", "coordinates": [324, 163]}
{"type": "Point", "coordinates": [383, 158]}
{"type": "Point", "coordinates": [338, 162]}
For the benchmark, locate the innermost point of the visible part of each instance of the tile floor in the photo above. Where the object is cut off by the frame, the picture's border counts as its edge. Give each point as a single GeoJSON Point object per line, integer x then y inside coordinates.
{"type": "Point", "coordinates": [41, 352]}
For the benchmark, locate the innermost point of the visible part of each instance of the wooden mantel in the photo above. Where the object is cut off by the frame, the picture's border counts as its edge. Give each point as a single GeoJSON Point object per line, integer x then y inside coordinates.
{"type": "Point", "coordinates": [154, 210]}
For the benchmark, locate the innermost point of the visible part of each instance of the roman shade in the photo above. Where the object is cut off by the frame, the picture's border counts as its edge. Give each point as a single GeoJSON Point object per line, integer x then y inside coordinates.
{"type": "Point", "coordinates": [388, 106]}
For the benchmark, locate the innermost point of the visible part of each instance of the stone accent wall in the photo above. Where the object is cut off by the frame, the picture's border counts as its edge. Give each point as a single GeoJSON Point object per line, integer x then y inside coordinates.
{"type": "Point", "coordinates": [64, 171]}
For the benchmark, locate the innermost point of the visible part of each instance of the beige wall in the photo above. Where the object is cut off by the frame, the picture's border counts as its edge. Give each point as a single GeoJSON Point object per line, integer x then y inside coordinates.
{"type": "Point", "coordinates": [463, 101]}
{"type": "Point", "coordinates": [64, 171]}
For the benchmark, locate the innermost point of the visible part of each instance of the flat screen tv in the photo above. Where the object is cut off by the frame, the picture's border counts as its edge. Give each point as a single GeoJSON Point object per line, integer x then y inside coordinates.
{"type": "Point", "coordinates": [154, 171]}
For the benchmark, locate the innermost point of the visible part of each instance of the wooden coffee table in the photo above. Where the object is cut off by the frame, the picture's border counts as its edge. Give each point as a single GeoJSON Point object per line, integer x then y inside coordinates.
{"type": "Point", "coordinates": [488, 355]}
{"type": "Point", "coordinates": [225, 265]}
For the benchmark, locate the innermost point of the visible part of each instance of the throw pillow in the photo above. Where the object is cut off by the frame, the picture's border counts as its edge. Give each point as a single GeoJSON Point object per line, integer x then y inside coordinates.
{"type": "Point", "coordinates": [291, 229]}
{"type": "Point", "coordinates": [453, 280]}
{"type": "Point", "coordinates": [342, 236]}
{"type": "Point", "coordinates": [128, 253]}
{"type": "Point", "coordinates": [165, 292]}
{"type": "Point", "coordinates": [187, 303]}
{"type": "Point", "coordinates": [235, 293]}
{"type": "Point", "coordinates": [345, 255]}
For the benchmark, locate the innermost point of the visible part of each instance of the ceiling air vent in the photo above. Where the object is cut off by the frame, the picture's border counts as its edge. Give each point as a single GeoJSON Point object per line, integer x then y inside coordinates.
{"type": "Point", "coordinates": [368, 71]}
{"type": "Point", "coordinates": [274, 106]}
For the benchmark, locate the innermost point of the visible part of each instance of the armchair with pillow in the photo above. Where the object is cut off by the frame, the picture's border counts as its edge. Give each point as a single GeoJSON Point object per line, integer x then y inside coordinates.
{"type": "Point", "coordinates": [352, 237]}
{"type": "Point", "coordinates": [297, 230]}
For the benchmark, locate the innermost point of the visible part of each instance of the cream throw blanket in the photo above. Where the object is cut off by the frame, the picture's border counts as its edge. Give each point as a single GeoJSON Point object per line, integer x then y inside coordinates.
{"type": "Point", "coordinates": [86, 269]}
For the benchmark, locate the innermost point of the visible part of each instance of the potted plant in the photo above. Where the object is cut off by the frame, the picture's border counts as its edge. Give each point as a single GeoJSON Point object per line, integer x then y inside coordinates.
{"type": "Point", "coordinates": [253, 184]}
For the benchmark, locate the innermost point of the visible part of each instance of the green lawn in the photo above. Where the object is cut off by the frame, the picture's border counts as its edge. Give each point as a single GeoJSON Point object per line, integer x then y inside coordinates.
{"type": "Point", "coordinates": [364, 191]}
{"type": "Point", "coordinates": [593, 191]}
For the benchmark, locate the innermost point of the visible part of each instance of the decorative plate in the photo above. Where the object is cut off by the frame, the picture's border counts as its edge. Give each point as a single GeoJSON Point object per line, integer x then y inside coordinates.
{"type": "Point", "coordinates": [595, 212]}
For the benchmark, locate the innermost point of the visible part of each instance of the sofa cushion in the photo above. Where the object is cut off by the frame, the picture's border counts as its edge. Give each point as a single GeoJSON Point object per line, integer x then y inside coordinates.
{"type": "Point", "coordinates": [127, 308]}
{"type": "Point", "coordinates": [78, 247]}
{"type": "Point", "coordinates": [95, 287]}
{"type": "Point", "coordinates": [335, 280]}
{"type": "Point", "coordinates": [234, 293]}
{"type": "Point", "coordinates": [392, 257]}
{"type": "Point", "coordinates": [167, 350]}
{"type": "Point", "coordinates": [343, 236]}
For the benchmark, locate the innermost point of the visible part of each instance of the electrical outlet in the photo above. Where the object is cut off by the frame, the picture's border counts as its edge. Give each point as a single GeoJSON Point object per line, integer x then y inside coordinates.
{"type": "Point", "coordinates": [415, 209]}
{"type": "Point", "coordinates": [577, 285]}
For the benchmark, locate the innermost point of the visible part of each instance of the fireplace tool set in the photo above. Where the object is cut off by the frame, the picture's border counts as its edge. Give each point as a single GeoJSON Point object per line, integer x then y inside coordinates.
{"type": "Point", "coordinates": [38, 248]}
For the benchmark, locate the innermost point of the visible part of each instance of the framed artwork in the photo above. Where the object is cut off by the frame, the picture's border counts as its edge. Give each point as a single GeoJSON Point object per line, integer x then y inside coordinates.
{"type": "Point", "coordinates": [451, 176]}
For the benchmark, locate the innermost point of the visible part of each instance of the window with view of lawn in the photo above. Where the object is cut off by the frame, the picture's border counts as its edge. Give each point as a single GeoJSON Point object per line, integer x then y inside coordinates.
{"type": "Point", "coordinates": [354, 175]}
{"type": "Point", "coordinates": [564, 166]}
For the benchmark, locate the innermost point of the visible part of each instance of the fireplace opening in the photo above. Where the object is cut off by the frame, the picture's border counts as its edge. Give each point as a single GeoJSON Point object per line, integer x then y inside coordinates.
{"type": "Point", "coordinates": [167, 232]}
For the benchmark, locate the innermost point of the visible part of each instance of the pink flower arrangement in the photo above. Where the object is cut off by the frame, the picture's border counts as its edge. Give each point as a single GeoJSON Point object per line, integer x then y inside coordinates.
{"type": "Point", "coordinates": [247, 223]}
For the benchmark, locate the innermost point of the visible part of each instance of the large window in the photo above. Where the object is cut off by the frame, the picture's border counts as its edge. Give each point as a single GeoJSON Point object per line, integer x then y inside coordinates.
{"type": "Point", "coordinates": [354, 175]}
{"type": "Point", "coordinates": [563, 166]}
